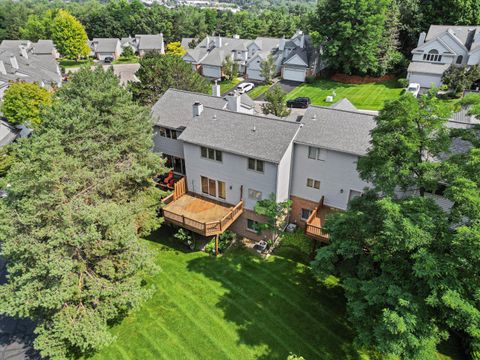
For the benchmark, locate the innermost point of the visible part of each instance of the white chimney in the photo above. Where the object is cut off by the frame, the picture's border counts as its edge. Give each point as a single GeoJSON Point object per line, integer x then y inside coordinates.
{"type": "Point", "coordinates": [216, 89]}
{"type": "Point", "coordinates": [421, 39]}
{"type": "Point", "coordinates": [3, 71]}
{"type": "Point", "coordinates": [197, 109]}
{"type": "Point", "coordinates": [162, 44]}
{"type": "Point", "coordinates": [14, 62]}
{"type": "Point", "coordinates": [219, 41]}
{"type": "Point", "coordinates": [207, 41]}
{"type": "Point", "coordinates": [233, 102]}
{"type": "Point", "coordinates": [23, 51]}
{"type": "Point", "coordinates": [281, 44]}
{"type": "Point", "coordinates": [236, 36]}
{"type": "Point", "coordinates": [302, 41]}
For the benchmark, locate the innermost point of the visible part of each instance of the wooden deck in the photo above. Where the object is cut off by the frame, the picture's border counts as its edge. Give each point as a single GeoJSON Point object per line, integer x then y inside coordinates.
{"type": "Point", "coordinates": [201, 215]}
{"type": "Point", "coordinates": [314, 225]}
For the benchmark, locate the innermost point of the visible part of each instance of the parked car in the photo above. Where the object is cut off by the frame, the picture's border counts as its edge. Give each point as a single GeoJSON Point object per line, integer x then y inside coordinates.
{"type": "Point", "coordinates": [245, 87]}
{"type": "Point", "coordinates": [108, 60]}
{"type": "Point", "coordinates": [300, 102]}
{"type": "Point", "coordinates": [413, 88]}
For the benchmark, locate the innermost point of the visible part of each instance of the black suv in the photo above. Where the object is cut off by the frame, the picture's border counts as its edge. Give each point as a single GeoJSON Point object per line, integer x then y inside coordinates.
{"type": "Point", "coordinates": [108, 60]}
{"type": "Point", "coordinates": [301, 102]}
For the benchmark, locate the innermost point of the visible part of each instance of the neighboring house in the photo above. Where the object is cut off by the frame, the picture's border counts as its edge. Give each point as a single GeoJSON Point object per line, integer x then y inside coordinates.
{"type": "Point", "coordinates": [324, 170]}
{"type": "Point", "coordinates": [440, 48]}
{"type": "Point", "coordinates": [150, 43]}
{"type": "Point", "coordinates": [295, 58]}
{"type": "Point", "coordinates": [8, 133]}
{"type": "Point", "coordinates": [30, 62]}
{"type": "Point", "coordinates": [106, 48]}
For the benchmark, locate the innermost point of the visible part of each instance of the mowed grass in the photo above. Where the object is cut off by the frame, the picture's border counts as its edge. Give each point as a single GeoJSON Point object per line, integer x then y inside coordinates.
{"type": "Point", "coordinates": [237, 306]}
{"type": "Point", "coordinates": [258, 90]}
{"type": "Point", "coordinates": [364, 96]}
{"type": "Point", "coordinates": [226, 85]}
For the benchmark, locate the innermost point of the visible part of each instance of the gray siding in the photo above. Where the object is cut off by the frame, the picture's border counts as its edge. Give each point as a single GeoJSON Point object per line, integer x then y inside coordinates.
{"type": "Point", "coordinates": [167, 146]}
{"type": "Point", "coordinates": [336, 173]}
{"type": "Point", "coordinates": [233, 170]}
{"type": "Point", "coordinates": [212, 71]}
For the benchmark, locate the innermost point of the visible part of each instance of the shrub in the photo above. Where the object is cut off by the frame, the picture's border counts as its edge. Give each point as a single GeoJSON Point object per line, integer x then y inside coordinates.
{"type": "Point", "coordinates": [403, 82]}
{"type": "Point", "coordinates": [185, 237]}
{"type": "Point", "coordinates": [310, 79]}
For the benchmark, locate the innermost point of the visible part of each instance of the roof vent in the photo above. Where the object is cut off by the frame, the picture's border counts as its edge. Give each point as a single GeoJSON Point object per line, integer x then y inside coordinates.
{"type": "Point", "coordinates": [314, 117]}
{"type": "Point", "coordinates": [214, 117]}
{"type": "Point", "coordinates": [254, 128]}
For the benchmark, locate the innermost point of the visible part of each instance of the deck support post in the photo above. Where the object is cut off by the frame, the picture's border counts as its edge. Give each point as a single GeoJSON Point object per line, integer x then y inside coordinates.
{"type": "Point", "coordinates": [216, 245]}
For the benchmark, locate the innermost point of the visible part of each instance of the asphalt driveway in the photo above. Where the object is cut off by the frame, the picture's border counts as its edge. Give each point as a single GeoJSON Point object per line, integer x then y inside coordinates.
{"type": "Point", "coordinates": [285, 85]}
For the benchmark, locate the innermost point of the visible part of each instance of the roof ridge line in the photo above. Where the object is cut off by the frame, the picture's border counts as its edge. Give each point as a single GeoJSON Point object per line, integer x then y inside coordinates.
{"type": "Point", "coordinates": [252, 115]}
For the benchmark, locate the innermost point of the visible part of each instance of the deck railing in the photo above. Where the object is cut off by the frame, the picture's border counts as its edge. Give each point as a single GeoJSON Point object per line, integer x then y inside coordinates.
{"type": "Point", "coordinates": [313, 230]}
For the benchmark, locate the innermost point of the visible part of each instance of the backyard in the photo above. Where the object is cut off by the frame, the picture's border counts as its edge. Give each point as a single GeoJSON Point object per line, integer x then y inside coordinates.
{"type": "Point", "coordinates": [237, 306]}
{"type": "Point", "coordinates": [370, 96]}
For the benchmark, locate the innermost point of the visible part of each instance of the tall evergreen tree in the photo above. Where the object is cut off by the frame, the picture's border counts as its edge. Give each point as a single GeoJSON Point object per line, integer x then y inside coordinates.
{"type": "Point", "coordinates": [81, 195]}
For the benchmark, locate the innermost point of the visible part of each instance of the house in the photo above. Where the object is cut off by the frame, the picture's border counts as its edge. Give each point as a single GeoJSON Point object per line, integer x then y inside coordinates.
{"type": "Point", "coordinates": [441, 47]}
{"type": "Point", "coordinates": [8, 133]}
{"type": "Point", "coordinates": [30, 62]}
{"type": "Point", "coordinates": [150, 43]}
{"type": "Point", "coordinates": [232, 159]}
{"type": "Point", "coordinates": [103, 48]}
{"type": "Point", "coordinates": [295, 58]}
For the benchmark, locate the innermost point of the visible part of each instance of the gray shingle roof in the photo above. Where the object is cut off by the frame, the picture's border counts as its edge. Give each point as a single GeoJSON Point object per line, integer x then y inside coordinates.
{"type": "Point", "coordinates": [344, 104]}
{"type": "Point", "coordinates": [105, 45]}
{"type": "Point", "coordinates": [8, 133]}
{"type": "Point", "coordinates": [340, 130]}
{"type": "Point", "coordinates": [427, 68]}
{"type": "Point", "coordinates": [43, 47]}
{"type": "Point", "coordinates": [150, 42]}
{"type": "Point", "coordinates": [246, 135]}
{"type": "Point", "coordinates": [174, 108]}
{"type": "Point", "coordinates": [463, 33]}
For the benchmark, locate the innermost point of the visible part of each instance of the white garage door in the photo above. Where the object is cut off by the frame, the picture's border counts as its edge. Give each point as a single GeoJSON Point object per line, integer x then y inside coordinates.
{"type": "Point", "coordinates": [254, 74]}
{"type": "Point", "coordinates": [294, 74]}
{"type": "Point", "coordinates": [425, 80]}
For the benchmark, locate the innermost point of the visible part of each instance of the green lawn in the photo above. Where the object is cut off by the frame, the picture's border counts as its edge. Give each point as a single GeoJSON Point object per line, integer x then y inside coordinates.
{"type": "Point", "coordinates": [258, 90]}
{"type": "Point", "coordinates": [74, 63]}
{"type": "Point", "coordinates": [237, 306]}
{"type": "Point", "coordinates": [363, 96]}
{"type": "Point", "coordinates": [130, 60]}
{"type": "Point", "coordinates": [226, 85]}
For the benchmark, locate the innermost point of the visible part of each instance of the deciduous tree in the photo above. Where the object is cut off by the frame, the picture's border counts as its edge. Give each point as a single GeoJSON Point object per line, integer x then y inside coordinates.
{"type": "Point", "coordinates": [69, 36]}
{"type": "Point", "coordinates": [23, 103]}
{"type": "Point", "coordinates": [268, 68]}
{"type": "Point", "coordinates": [81, 195]}
{"type": "Point", "coordinates": [175, 48]}
{"type": "Point", "coordinates": [275, 102]}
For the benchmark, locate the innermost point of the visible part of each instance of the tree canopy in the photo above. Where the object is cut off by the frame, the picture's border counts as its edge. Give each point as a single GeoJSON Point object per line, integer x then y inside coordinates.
{"type": "Point", "coordinates": [81, 195]}
{"type": "Point", "coordinates": [158, 73]}
{"type": "Point", "coordinates": [23, 103]}
{"type": "Point", "coordinates": [69, 36]}
{"type": "Point", "coordinates": [275, 102]}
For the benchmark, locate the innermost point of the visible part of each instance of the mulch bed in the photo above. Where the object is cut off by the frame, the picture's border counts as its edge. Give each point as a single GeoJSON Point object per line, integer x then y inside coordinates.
{"type": "Point", "coordinates": [356, 79]}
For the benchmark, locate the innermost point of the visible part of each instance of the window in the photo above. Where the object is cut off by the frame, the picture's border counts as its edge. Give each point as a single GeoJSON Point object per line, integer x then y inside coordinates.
{"type": "Point", "coordinates": [213, 187]}
{"type": "Point", "coordinates": [221, 190]}
{"type": "Point", "coordinates": [353, 194]}
{"type": "Point", "coordinates": [459, 59]}
{"type": "Point", "coordinates": [252, 225]}
{"type": "Point", "coordinates": [175, 163]}
{"type": "Point", "coordinates": [169, 133]}
{"type": "Point", "coordinates": [305, 214]}
{"type": "Point", "coordinates": [313, 183]}
{"type": "Point", "coordinates": [254, 194]}
{"type": "Point", "coordinates": [254, 164]}
{"type": "Point", "coordinates": [433, 56]}
{"type": "Point", "coordinates": [211, 154]}
{"type": "Point", "coordinates": [317, 153]}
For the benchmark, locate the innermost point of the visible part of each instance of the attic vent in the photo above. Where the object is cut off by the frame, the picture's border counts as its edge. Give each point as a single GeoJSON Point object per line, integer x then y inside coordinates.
{"type": "Point", "coordinates": [254, 128]}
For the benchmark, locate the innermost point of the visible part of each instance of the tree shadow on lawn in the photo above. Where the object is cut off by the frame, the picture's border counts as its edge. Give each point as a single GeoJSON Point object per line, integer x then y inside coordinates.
{"type": "Point", "coordinates": [278, 303]}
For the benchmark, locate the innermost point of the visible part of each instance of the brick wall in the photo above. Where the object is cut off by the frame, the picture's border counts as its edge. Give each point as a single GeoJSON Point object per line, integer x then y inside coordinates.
{"type": "Point", "coordinates": [297, 205]}
{"type": "Point", "coordinates": [240, 226]}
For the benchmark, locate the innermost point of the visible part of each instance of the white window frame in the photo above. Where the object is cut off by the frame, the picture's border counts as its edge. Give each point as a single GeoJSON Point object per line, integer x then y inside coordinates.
{"type": "Point", "coordinates": [316, 153]}
{"type": "Point", "coordinates": [301, 214]}
{"type": "Point", "coordinates": [256, 162]}
{"type": "Point", "coordinates": [312, 182]}
{"type": "Point", "coordinates": [254, 194]}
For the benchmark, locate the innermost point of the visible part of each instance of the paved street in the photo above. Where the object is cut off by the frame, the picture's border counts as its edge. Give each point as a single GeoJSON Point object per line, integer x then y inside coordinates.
{"type": "Point", "coordinates": [16, 336]}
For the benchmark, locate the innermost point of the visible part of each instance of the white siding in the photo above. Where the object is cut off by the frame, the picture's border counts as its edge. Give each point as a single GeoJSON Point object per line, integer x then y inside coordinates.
{"type": "Point", "coordinates": [233, 170]}
{"type": "Point", "coordinates": [284, 171]}
{"type": "Point", "coordinates": [212, 71]}
{"type": "Point", "coordinates": [337, 175]}
{"type": "Point", "coordinates": [167, 146]}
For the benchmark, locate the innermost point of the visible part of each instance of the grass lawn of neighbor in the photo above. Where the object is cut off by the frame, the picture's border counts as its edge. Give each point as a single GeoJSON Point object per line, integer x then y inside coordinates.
{"type": "Point", "coordinates": [130, 60]}
{"type": "Point", "coordinates": [364, 96]}
{"type": "Point", "coordinates": [226, 85]}
{"type": "Point", "coordinates": [236, 306]}
{"type": "Point", "coordinates": [258, 90]}
{"type": "Point", "coordinates": [74, 63]}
